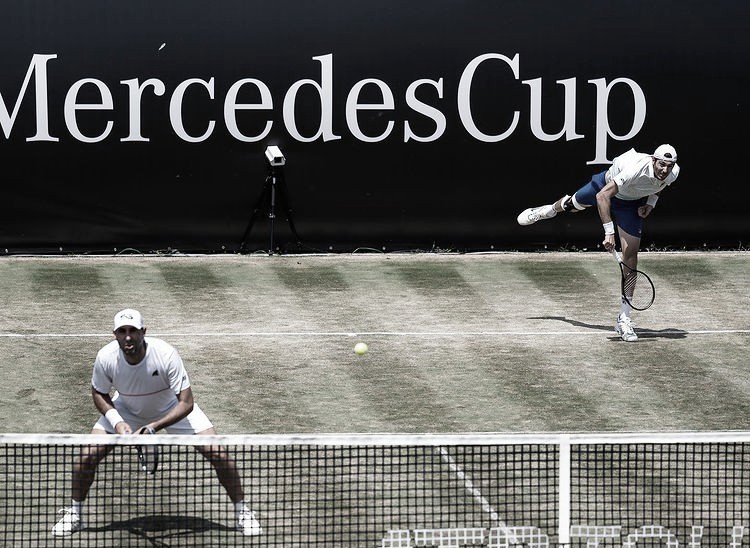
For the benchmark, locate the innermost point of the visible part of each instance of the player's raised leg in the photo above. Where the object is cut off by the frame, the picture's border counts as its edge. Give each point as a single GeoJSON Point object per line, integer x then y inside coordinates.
{"type": "Point", "coordinates": [533, 214]}
{"type": "Point", "coordinates": [567, 203]}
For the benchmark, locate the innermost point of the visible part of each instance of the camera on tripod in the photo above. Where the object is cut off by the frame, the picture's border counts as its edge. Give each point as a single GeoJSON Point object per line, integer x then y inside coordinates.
{"type": "Point", "coordinates": [275, 182]}
{"type": "Point", "coordinates": [274, 156]}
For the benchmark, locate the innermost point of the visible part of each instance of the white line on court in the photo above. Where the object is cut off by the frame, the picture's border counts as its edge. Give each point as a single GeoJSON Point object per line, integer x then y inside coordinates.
{"type": "Point", "coordinates": [469, 485]}
{"type": "Point", "coordinates": [447, 334]}
{"type": "Point", "coordinates": [476, 493]}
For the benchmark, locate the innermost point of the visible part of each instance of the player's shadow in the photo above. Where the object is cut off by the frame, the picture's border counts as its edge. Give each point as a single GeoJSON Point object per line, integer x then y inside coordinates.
{"type": "Point", "coordinates": [669, 333]}
{"type": "Point", "coordinates": [161, 529]}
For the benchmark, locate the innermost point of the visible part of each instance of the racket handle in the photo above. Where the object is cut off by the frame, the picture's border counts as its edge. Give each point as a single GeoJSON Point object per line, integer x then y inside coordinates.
{"type": "Point", "coordinates": [616, 255]}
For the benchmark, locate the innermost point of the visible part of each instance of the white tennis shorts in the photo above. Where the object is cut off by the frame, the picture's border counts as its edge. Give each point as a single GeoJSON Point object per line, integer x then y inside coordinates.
{"type": "Point", "coordinates": [195, 422]}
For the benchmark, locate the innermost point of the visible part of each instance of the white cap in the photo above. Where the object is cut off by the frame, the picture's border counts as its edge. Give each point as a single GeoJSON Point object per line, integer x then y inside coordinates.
{"type": "Point", "coordinates": [129, 317]}
{"type": "Point", "coordinates": [666, 153]}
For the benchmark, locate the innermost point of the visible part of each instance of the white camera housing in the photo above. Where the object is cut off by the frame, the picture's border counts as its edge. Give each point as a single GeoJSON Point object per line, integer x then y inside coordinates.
{"type": "Point", "coordinates": [274, 156]}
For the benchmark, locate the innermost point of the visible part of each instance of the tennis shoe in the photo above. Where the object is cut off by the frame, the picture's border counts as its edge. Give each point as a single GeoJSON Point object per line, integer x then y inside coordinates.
{"type": "Point", "coordinates": [247, 523]}
{"type": "Point", "coordinates": [624, 328]}
{"type": "Point", "coordinates": [533, 214]}
{"type": "Point", "coordinates": [71, 522]}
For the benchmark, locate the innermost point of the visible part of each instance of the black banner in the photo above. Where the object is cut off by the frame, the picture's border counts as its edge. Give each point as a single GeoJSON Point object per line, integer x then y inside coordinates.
{"type": "Point", "coordinates": [424, 124]}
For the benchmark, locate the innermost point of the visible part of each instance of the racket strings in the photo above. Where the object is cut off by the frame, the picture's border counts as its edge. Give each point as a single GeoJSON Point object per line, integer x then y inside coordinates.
{"type": "Point", "coordinates": [148, 458]}
{"type": "Point", "coordinates": [637, 289]}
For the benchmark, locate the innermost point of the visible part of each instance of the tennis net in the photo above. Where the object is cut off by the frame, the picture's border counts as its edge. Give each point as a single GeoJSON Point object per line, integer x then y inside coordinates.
{"type": "Point", "coordinates": [389, 490]}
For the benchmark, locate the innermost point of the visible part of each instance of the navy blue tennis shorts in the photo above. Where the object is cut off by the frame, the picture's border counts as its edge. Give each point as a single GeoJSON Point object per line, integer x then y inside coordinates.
{"type": "Point", "coordinates": [624, 212]}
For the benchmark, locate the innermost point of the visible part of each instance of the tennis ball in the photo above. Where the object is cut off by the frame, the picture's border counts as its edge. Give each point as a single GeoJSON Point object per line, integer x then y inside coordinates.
{"type": "Point", "coordinates": [360, 348]}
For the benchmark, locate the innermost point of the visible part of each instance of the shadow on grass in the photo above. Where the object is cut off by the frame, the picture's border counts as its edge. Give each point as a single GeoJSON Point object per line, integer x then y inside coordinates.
{"type": "Point", "coordinates": [669, 333]}
{"type": "Point", "coordinates": [164, 529]}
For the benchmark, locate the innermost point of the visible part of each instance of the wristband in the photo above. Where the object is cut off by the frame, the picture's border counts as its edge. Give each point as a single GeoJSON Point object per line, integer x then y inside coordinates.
{"type": "Point", "coordinates": [113, 417]}
{"type": "Point", "coordinates": [652, 199]}
{"type": "Point", "coordinates": [609, 228]}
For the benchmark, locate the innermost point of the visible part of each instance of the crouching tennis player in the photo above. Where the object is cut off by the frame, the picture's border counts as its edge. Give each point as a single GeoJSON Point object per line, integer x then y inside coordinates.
{"type": "Point", "coordinates": [152, 390]}
{"type": "Point", "coordinates": [627, 192]}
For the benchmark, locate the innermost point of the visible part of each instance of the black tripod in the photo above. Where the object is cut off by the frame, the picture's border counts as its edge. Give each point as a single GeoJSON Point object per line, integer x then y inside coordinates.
{"type": "Point", "coordinates": [274, 184]}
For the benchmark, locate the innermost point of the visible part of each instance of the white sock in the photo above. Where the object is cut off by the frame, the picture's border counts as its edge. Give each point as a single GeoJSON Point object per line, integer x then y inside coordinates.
{"type": "Point", "coordinates": [77, 506]}
{"type": "Point", "coordinates": [625, 309]}
{"type": "Point", "coordinates": [239, 507]}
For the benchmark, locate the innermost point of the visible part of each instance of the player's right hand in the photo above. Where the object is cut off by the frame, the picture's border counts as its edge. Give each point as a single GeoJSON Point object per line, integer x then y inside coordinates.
{"type": "Point", "coordinates": [609, 242]}
{"type": "Point", "coordinates": [123, 427]}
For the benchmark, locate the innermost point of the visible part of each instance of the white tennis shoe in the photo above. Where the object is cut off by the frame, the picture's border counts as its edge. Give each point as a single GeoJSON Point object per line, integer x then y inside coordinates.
{"type": "Point", "coordinates": [247, 523]}
{"type": "Point", "coordinates": [624, 328]}
{"type": "Point", "coordinates": [71, 522]}
{"type": "Point", "coordinates": [533, 214]}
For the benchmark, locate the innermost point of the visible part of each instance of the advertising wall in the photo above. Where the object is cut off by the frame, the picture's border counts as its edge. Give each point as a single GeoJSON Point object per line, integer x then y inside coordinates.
{"type": "Point", "coordinates": [405, 125]}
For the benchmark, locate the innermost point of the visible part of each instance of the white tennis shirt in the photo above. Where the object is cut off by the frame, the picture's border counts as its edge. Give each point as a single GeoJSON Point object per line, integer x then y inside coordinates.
{"type": "Point", "coordinates": [633, 172]}
{"type": "Point", "coordinates": [148, 389]}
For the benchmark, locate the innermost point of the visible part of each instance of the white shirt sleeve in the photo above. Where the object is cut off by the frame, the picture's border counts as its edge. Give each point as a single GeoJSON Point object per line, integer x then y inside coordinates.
{"type": "Point", "coordinates": [176, 373]}
{"type": "Point", "coordinates": [101, 378]}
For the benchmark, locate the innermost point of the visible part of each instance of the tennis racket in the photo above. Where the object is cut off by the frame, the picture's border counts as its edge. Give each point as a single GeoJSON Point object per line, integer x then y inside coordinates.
{"type": "Point", "coordinates": [637, 288]}
{"type": "Point", "coordinates": [148, 455]}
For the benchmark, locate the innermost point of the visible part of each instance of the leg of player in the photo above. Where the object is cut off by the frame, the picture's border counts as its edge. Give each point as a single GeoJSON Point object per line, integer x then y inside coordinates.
{"type": "Point", "coordinates": [229, 477]}
{"type": "Point", "coordinates": [84, 471]}
{"type": "Point", "coordinates": [630, 245]}
{"type": "Point", "coordinates": [583, 198]}
{"type": "Point", "coordinates": [533, 214]}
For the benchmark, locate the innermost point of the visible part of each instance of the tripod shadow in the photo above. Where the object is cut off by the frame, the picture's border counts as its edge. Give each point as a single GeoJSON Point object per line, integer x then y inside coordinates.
{"type": "Point", "coordinates": [669, 333]}
{"type": "Point", "coordinates": [161, 529]}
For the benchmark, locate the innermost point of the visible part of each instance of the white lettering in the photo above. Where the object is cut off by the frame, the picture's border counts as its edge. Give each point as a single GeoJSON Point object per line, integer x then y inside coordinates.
{"type": "Point", "coordinates": [738, 533]}
{"type": "Point", "coordinates": [464, 97]}
{"type": "Point", "coordinates": [593, 534]}
{"type": "Point", "coordinates": [175, 110]}
{"type": "Point", "coordinates": [135, 95]}
{"type": "Point", "coordinates": [651, 531]}
{"type": "Point", "coordinates": [533, 537]}
{"type": "Point", "coordinates": [602, 117]}
{"type": "Point", "coordinates": [325, 90]}
{"type": "Point", "coordinates": [72, 106]}
{"type": "Point", "coordinates": [231, 107]}
{"type": "Point", "coordinates": [426, 110]}
{"type": "Point", "coordinates": [449, 538]}
{"type": "Point", "coordinates": [38, 68]}
{"type": "Point", "coordinates": [569, 119]}
{"type": "Point", "coordinates": [353, 106]}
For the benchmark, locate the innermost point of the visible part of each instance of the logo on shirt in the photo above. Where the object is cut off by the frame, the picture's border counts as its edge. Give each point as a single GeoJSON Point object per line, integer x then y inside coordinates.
{"type": "Point", "coordinates": [155, 374]}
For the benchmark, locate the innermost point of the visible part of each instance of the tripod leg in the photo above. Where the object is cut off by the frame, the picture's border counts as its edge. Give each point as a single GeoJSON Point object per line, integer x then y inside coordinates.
{"type": "Point", "coordinates": [281, 184]}
{"type": "Point", "coordinates": [272, 212]}
{"type": "Point", "coordinates": [263, 196]}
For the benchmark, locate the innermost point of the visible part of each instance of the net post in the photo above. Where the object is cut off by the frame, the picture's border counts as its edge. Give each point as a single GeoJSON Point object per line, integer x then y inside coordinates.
{"type": "Point", "coordinates": [564, 492]}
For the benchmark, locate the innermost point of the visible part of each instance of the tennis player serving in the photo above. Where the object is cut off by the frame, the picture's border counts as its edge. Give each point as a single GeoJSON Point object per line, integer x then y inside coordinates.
{"type": "Point", "coordinates": [152, 390]}
{"type": "Point", "coordinates": [626, 194]}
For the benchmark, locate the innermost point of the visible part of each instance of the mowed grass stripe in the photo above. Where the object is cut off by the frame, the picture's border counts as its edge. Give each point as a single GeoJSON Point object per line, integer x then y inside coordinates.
{"type": "Point", "coordinates": [526, 380]}
{"type": "Point", "coordinates": [435, 379]}
{"type": "Point", "coordinates": [394, 371]}
{"type": "Point", "coordinates": [370, 384]}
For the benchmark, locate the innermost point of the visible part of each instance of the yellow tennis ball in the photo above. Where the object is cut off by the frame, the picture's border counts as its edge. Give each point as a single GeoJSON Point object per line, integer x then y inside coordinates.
{"type": "Point", "coordinates": [360, 348]}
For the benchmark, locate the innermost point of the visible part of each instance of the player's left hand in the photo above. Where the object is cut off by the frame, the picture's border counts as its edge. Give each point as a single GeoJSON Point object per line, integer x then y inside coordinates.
{"type": "Point", "coordinates": [644, 211]}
